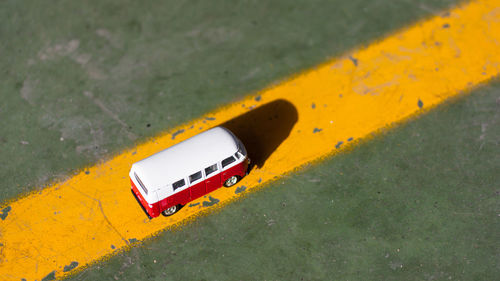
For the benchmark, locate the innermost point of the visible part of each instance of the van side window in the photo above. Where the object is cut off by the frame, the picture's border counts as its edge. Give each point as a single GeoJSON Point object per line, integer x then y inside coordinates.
{"type": "Point", "coordinates": [178, 184]}
{"type": "Point", "coordinates": [194, 177]}
{"type": "Point", "coordinates": [237, 155]}
{"type": "Point", "coordinates": [210, 169]}
{"type": "Point", "coordinates": [228, 161]}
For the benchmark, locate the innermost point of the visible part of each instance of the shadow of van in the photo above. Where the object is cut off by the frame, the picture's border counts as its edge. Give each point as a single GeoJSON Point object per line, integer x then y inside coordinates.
{"type": "Point", "coordinates": [264, 128]}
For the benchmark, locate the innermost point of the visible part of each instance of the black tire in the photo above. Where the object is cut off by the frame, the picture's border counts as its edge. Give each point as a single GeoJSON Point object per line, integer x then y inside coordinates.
{"type": "Point", "coordinates": [170, 211]}
{"type": "Point", "coordinates": [231, 181]}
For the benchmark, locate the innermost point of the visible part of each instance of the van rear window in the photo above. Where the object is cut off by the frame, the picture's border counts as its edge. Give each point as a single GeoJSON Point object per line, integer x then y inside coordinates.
{"type": "Point", "coordinates": [140, 183]}
{"type": "Point", "coordinates": [178, 184]}
{"type": "Point", "coordinates": [228, 161]}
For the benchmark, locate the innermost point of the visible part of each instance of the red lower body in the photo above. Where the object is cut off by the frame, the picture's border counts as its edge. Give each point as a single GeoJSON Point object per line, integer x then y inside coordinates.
{"type": "Point", "coordinates": [191, 193]}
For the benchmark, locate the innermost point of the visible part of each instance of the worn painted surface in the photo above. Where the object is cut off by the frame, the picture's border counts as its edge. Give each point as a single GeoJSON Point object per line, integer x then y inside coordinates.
{"type": "Point", "coordinates": [316, 114]}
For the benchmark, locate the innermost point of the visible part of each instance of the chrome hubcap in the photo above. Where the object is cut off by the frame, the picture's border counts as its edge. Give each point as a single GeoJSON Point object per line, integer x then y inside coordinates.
{"type": "Point", "coordinates": [232, 180]}
{"type": "Point", "coordinates": [170, 210]}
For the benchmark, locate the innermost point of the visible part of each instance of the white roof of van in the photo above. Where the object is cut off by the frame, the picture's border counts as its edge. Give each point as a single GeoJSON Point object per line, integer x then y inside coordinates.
{"type": "Point", "coordinates": [186, 158]}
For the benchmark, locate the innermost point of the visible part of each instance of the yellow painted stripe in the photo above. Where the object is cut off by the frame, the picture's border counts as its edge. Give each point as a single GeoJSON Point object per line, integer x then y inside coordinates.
{"type": "Point", "coordinates": [93, 214]}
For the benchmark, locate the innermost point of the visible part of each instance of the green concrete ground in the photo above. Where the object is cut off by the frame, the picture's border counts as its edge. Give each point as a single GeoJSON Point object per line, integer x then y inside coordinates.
{"type": "Point", "coordinates": [83, 81]}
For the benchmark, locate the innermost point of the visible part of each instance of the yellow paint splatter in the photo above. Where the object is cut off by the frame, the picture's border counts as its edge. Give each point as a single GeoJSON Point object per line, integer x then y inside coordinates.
{"type": "Point", "coordinates": [93, 214]}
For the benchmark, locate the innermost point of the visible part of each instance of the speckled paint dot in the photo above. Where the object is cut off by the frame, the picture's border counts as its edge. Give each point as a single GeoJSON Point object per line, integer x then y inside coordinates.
{"type": "Point", "coordinates": [113, 247]}
{"type": "Point", "coordinates": [337, 146]}
{"type": "Point", "coordinates": [446, 25]}
{"type": "Point", "coordinates": [258, 98]}
{"type": "Point", "coordinates": [316, 130]}
{"type": "Point", "coordinates": [354, 60]}
{"type": "Point", "coordinates": [313, 106]}
{"type": "Point", "coordinates": [194, 204]}
{"type": "Point", "coordinates": [5, 212]}
{"type": "Point", "coordinates": [210, 118]}
{"type": "Point", "coordinates": [420, 103]}
{"type": "Point", "coordinates": [240, 189]}
{"type": "Point", "coordinates": [350, 139]}
{"type": "Point", "coordinates": [132, 240]}
{"type": "Point", "coordinates": [87, 172]}
{"type": "Point", "coordinates": [176, 133]}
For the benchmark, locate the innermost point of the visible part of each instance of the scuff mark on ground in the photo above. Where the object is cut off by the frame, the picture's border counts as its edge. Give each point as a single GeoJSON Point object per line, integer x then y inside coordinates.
{"type": "Point", "coordinates": [103, 214]}
{"type": "Point", "coordinates": [59, 50]}
{"type": "Point", "coordinates": [27, 90]}
{"type": "Point", "coordinates": [212, 202]}
{"type": "Point", "coordinates": [106, 34]}
{"type": "Point", "coordinates": [82, 59]}
{"type": "Point", "coordinates": [110, 113]}
{"type": "Point", "coordinates": [363, 89]}
{"type": "Point", "coordinates": [250, 74]}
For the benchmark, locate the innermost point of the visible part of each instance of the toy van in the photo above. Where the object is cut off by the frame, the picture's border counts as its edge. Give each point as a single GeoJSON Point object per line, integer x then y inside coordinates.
{"type": "Point", "coordinates": [171, 178]}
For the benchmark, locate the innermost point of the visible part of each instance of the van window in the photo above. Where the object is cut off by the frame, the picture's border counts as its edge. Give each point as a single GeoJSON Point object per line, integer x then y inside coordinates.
{"type": "Point", "coordinates": [210, 169]}
{"type": "Point", "coordinates": [178, 184]}
{"type": "Point", "coordinates": [194, 177]}
{"type": "Point", "coordinates": [228, 161]}
{"type": "Point", "coordinates": [140, 183]}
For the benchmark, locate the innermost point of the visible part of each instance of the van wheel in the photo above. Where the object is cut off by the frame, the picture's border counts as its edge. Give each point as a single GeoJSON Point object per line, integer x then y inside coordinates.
{"type": "Point", "coordinates": [231, 181]}
{"type": "Point", "coordinates": [170, 211]}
